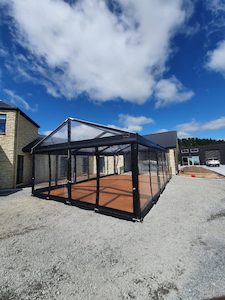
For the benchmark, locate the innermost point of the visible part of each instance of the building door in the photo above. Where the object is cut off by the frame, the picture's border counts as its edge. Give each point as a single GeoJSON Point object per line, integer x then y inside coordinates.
{"type": "Point", "coordinates": [193, 160]}
{"type": "Point", "coordinates": [184, 161]}
{"type": "Point", "coordinates": [20, 162]}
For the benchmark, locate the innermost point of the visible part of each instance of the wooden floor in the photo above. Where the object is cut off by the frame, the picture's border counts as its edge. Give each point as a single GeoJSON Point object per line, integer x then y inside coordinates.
{"type": "Point", "coordinates": [115, 191]}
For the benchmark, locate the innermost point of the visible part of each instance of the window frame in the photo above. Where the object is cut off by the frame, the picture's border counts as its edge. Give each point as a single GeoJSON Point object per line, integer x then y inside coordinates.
{"type": "Point", "coordinates": [184, 151]}
{"type": "Point", "coordinates": [192, 150]}
{"type": "Point", "coordinates": [3, 132]}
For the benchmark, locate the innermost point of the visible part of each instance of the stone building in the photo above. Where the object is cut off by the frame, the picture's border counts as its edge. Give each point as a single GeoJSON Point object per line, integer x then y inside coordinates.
{"type": "Point", "coordinates": [16, 131]}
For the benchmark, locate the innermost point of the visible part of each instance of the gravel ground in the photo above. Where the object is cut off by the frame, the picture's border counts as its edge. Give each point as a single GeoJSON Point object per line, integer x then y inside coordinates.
{"type": "Point", "coordinates": [49, 250]}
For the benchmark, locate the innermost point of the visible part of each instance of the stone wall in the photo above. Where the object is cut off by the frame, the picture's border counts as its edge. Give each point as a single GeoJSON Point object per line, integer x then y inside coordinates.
{"type": "Point", "coordinates": [7, 151]}
{"type": "Point", "coordinates": [26, 133]}
{"type": "Point", "coordinates": [19, 133]}
{"type": "Point", "coordinates": [173, 161]}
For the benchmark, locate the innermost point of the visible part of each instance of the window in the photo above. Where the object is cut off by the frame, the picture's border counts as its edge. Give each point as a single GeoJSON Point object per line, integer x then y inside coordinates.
{"type": "Point", "coordinates": [184, 150]}
{"type": "Point", "coordinates": [19, 169]}
{"type": "Point", "coordinates": [102, 164]}
{"type": "Point", "coordinates": [194, 150]}
{"type": "Point", "coordinates": [85, 165]}
{"type": "Point", "coordinates": [2, 123]}
{"type": "Point", "coordinates": [63, 166]}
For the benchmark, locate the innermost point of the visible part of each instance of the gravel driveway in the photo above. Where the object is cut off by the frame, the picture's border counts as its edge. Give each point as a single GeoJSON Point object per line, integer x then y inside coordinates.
{"type": "Point", "coordinates": [220, 169]}
{"type": "Point", "coordinates": [52, 251]}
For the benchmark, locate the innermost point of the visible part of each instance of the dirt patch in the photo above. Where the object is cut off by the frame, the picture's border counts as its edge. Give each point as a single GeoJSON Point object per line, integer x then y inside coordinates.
{"type": "Point", "coordinates": [7, 294]}
{"type": "Point", "coordinates": [19, 232]}
{"type": "Point", "coordinates": [200, 172]}
{"type": "Point", "coordinates": [162, 290]}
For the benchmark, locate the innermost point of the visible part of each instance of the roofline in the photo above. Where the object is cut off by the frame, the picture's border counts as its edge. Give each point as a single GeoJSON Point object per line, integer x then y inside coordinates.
{"type": "Point", "coordinates": [157, 133]}
{"type": "Point", "coordinates": [21, 112]}
{"type": "Point", "coordinates": [100, 125]}
{"type": "Point", "coordinates": [98, 142]}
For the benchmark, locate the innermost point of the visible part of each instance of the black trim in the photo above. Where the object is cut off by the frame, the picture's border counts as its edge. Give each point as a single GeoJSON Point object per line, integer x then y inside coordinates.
{"type": "Point", "coordinates": [134, 166]}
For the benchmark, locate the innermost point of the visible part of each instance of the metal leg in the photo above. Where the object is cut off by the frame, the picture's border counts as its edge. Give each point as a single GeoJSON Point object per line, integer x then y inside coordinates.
{"type": "Point", "coordinates": [136, 197]}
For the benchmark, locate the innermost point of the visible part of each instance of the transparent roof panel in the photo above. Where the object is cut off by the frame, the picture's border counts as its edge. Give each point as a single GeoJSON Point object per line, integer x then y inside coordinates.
{"type": "Point", "coordinates": [81, 131]}
{"type": "Point", "coordinates": [59, 137]}
{"type": "Point", "coordinates": [115, 149]}
{"type": "Point", "coordinates": [90, 151]}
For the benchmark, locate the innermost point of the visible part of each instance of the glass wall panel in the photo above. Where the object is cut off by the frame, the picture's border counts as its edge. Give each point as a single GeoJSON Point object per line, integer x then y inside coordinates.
{"type": "Point", "coordinates": [116, 190]}
{"type": "Point", "coordinates": [58, 175]}
{"type": "Point", "coordinates": [160, 168]}
{"type": "Point", "coordinates": [41, 173]}
{"type": "Point", "coordinates": [51, 175]}
{"type": "Point", "coordinates": [154, 172]}
{"type": "Point", "coordinates": [84, 174]}
{"type": "Point", "coordinates": [144, 177]}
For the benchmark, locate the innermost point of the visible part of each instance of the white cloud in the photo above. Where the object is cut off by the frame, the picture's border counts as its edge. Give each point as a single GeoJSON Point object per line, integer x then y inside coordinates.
{"type": "Point", "coordinates": [87, 47]}
{"type": "Point", "coordinates": [134, 124]}
{"type": "Point", "coordinates": [216, 5]}
{"type": "Point", "coordinates": [183, 135]}
{"type": "Point", "coordinates": [19, 101]}
{"type": "Point", "coordinates": [170, 91]}
{"type": "Point", "coordinates": [162, 130]}
{"type": "Point", "coordinates": [216, 57]}
{"type": "Point", "coordinates": [186, 129]}
{"type": "Point", "coordinates": [216, 60]}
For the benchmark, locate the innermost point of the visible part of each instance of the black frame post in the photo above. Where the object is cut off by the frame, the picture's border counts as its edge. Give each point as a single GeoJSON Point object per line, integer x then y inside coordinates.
{"type": "Point", "coordinates": [166, 168]}
{"type": "Point", "coordinates": [56, 169]}
{"type": "Point", "coordinates": [136, 196]}
{"type": "Point", "coordinates": [162, 167]}
{"type": "Point", "coordinates": [149, 169]}
{"type": "Point", "coordinates": [33, 172]}
{"type": "Point", "coordinates": [49, 175]}
{"type": "Point", "coordinates": [75, 168]}
{"type": "Point", "coordinates": [157, 163]}
{"type": "Point", "coordinates": [88, 167]}
{"type": "Point", "coordinates": [69, 181]}
{"type": "Point", "coordinates": [98, 177]}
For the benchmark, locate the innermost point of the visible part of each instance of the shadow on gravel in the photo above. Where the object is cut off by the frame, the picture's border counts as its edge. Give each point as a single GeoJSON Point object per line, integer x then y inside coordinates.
{"type": "Point", "coordinates": [46, 288]}
{"type": "Point", "coordinates": [220, 214]}
{"type": "Point", "coordinates": [4, 193]}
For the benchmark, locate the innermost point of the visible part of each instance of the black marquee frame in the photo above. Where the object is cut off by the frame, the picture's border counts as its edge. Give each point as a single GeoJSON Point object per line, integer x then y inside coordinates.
{"type": "Point", "coordinates": [134, 140]}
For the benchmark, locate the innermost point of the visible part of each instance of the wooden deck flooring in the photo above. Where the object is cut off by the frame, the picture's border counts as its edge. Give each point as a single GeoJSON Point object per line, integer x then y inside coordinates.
{"type": "Point", "coordinates": [115, 191]}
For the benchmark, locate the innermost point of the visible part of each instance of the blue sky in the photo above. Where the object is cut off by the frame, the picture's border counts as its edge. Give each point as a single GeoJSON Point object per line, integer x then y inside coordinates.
{"type": "Point", "coordinates": [144, 66]}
